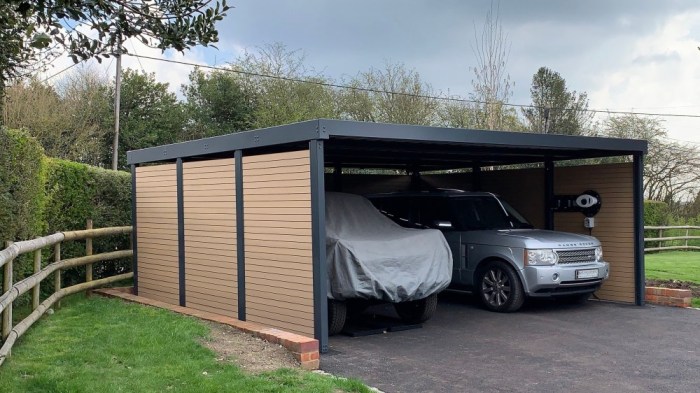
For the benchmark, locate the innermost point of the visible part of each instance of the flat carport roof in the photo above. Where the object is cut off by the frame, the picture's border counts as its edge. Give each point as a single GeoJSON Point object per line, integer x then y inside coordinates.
{"type": "Point", "coordinates": [377, 145]}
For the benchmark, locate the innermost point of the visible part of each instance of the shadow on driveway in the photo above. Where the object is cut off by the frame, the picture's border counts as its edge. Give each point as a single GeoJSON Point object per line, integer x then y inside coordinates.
{"type": "Point", "coordinates": [545, 347]}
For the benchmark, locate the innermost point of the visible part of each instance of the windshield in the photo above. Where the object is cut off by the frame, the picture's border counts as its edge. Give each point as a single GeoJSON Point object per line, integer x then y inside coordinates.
{"type": "Point", "coordinates": [485, 212]}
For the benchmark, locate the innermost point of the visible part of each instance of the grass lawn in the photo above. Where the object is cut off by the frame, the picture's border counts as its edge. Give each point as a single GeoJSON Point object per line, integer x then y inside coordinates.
{"type": "Point", "coordinates": [106, 345]}
{"type": "Point", "coordinates": [674, 265]}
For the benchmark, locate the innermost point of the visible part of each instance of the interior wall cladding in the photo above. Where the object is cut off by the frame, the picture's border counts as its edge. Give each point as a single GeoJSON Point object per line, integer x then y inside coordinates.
{"type": "Point", "coordinates": [278, 249]}
{"type": "Point", "coordinates": [209, 206]}
{"type": "Point", "coordinates": [614, 223]}
{"type": "Point", "coordinates": [156, 211]}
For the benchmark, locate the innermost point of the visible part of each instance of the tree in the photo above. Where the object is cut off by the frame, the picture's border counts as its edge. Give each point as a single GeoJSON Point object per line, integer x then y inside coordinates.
{"type": "Point", "coordinates": [555, 110]}
{"type": "Point", "coordinates": [67, 120]}
{"type": "Point", "coordinates": [272, 80]}
{"type": "Point", "coordinates": [34, 31]}
{"type": "Point", "coordinates": [671, 169]}
{"type": "Point", "coordinates": [150, 114]}
{"type": "Point", "coordinates": [491, 83]}
{"type": "Point", "coordinates": [390, 95]}
{"type": "Point", "coordinates": [216, 104]}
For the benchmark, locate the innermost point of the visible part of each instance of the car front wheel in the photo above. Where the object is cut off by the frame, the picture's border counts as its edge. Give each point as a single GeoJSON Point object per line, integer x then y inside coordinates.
{"type": "Point", "coordinates": [499, 287]}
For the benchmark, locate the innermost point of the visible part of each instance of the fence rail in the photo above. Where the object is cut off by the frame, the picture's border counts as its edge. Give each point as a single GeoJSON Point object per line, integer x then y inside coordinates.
{"type": "Point", "coordinates": [11, 291]}
{"type": "Point", "coordinates": [677, 242]}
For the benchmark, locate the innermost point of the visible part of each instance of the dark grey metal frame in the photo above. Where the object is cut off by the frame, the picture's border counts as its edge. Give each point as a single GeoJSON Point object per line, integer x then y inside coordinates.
{"type": "Point", "coordinates": [181, 234]}
{"type": "Point", "coordinates": [318, 133]}
{"type": "Point", "coordinates": [240, 238]}
{"type": "Point", "coordinates": [318, 235]}
{"type": "Point", "coordinates": [134, 243]}
{"type": "Point", "coordinates": [638, 195]}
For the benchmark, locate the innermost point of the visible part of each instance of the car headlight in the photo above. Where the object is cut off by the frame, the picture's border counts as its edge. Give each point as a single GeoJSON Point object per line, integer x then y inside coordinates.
{"type": "Point", "coordinates": [540, 257]}
{"type": "Point", "coordinates": [598, 254]}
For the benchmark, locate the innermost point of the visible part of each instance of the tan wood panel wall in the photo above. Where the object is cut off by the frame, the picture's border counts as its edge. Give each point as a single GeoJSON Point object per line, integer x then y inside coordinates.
{"type": "Point", "coordinates": [209, 207]}
{"type": "Point", "coordinates": [156, 235]}
{"type": "Point", "coordinates": [522, 188]}
{"type": "Point", "coordinates": [278, 252]}
{"type": "Point", "coordinates": [614, 223]}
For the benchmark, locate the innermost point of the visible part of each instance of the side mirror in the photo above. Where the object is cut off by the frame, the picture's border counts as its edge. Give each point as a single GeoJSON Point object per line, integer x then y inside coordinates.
{"type": "Point", "coordinates": [442, 224]}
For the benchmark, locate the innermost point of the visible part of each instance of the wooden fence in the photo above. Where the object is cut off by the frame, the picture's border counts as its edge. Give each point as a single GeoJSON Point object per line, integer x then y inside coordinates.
{"type": "Point", "coordinates": [677, 241]}
{"type": "Point", "coordinates": [11, 292]}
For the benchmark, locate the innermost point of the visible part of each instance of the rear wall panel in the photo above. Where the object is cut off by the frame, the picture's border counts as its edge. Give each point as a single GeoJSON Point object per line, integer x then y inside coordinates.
{"type": "Point", "coordinates": [614, 223]}
{"type": "Point", "coordinates": [156, 209]}
{"type": "Point", "coordinates": [278, 254]}
{"type": "Point", "coordinates": [209, 197]}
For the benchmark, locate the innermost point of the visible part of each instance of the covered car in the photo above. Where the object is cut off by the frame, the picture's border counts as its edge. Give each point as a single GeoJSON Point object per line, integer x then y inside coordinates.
{"type": "Point", "coordinates": [372, 258]}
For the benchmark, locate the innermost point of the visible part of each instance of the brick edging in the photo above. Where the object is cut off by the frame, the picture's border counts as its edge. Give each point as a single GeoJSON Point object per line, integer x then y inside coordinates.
{"type": "Point", "coordinates": [668, 296]}
{"type": "Point", "coordinates": [304, 349]}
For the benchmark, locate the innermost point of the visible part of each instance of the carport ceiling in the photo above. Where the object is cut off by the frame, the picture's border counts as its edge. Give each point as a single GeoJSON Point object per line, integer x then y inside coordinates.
{"type": "Point", "coordinates": [377, 145]}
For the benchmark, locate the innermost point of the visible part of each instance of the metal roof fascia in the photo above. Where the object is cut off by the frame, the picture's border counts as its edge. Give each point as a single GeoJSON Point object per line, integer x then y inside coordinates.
{"type": "Point", "coordinates": [343, 128]}
{"type": "Point", "coordinates": [290, 133]}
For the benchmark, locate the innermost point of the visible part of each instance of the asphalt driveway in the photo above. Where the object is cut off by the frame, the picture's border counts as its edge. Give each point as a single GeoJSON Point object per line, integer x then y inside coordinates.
{"type": "Point", "coordinates": [545, 347]}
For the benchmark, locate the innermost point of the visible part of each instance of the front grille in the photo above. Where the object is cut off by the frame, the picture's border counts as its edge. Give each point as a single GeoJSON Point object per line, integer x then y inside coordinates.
{"type": "Point", "coordinates": [576, 256]}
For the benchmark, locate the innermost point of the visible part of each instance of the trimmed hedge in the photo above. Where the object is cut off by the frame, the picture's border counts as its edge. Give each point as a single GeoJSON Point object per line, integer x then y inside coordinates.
{"type": "Point", "coordinates": [22, 178]}
{"type": "Point", "coordinates": [40, 196]}
{"type": "Point", "coordinates": [78, 192]}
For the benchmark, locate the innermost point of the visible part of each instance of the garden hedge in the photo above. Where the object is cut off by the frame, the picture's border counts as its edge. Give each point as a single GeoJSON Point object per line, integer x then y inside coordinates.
{"type": "Point", "coordinates": [40, 196]}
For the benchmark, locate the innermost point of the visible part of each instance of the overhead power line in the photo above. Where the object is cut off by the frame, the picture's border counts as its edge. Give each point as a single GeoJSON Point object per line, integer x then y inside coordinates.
{"type": "Point", "coordinates": [368, 90]}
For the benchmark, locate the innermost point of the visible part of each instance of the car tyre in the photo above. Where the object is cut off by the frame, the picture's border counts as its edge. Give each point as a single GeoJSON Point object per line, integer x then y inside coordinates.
{"type": "Point", "coordinates": [337, 313]}
{"type": "Point", "coordinates": [499, 287]}
{"type": "Point", "coordinates": [417, 311]}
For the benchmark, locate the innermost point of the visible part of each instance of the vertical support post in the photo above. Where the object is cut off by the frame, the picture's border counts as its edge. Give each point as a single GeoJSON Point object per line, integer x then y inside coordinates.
{"type": "Point", "coordinates": [240, 238]}
{"type": "Point", "coordinates": [134, 243]}
{"type": "Point", "coordinates": [318, 238]}
{"type": "Point", "coordinates": [548, 194]}
{"type": "Point", "coordinates": [661, 234]}
{"type": "Point", "coordinates": [476, 178]}
{"type": "Point", "coordinates": [180, 233]}
{"type": "Point", "coordinates": [687, 233]}
{"type": "Point", "coordinates": [88, 252]}
{"type": "Point", "coordinates": [6, 286]}
{"type": "Point", "coordinates": [57, 273]}
{"type": "Point", "coordinates": [36, 291]}
{"type": "Point", "coordinates": [638, 195]}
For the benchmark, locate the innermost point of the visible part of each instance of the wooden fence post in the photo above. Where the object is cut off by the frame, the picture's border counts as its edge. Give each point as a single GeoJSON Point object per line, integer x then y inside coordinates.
{"type": "Point", "coordinates": [57, 273]}
{"type": "Point", "coordinates": [88, 252]}
{"type": "Point", "coordinates": [661, 234]}
{"type": "Point", "coordinates": [686, 238]}
{"type": "Point", "coordinates": [36, 291]}
{"type": "Point", "coordinates": [6, 286]}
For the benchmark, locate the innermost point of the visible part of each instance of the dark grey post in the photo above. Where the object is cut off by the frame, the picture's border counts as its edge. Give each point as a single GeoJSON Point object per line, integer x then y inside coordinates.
{"type": "Point", "coordinates": [240, 238]}
{"type": "Point", "coordinates": [638, 195]}
{"type": "Point", "coordinates": [180, 232]}
{"type": "Point", "coordinates": [134, 243]}
{"type": "Point", "coordinates": [476, 178]}
{"type": "Point", "coordinates": [318, 236]}
{"type": "Point", "coordinates": [548, 194]}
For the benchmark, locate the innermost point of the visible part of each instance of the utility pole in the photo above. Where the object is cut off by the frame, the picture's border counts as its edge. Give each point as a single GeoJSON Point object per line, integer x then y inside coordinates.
{"type": "Point", "coordinates": [117, 96]}
{"type": "Point", "coordinates": [117, 99]}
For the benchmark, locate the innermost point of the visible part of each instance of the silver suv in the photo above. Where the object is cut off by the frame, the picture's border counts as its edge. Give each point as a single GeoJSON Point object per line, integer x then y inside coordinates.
{"type": "Point", "coordinates": [496, 252]}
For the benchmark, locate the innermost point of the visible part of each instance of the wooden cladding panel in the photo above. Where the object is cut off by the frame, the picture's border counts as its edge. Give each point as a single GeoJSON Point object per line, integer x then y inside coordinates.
{"type": "Point", "coordinates": [209, 207]}
{"type": "Point", "coordinates": [614, 223]}
{"type": "Point", "coordinates": [156, 235]}
{"type": "Point", "coordinates": [278, 253]}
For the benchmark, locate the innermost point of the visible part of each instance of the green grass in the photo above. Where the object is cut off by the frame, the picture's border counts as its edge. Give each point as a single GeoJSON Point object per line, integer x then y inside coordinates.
{"type": "Point", "coordinates": [105, 345]}
{"type": "Point", "coordinates": [674, 265]}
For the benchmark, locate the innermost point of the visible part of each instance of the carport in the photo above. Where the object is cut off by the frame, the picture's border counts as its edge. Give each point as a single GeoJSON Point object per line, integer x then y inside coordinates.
{"type": "Point", "coordinates": [235, 224]}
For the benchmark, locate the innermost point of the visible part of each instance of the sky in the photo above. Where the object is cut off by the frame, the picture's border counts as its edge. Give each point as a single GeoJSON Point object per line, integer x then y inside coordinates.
{"type": "Point", "coordinates": [627, 55]}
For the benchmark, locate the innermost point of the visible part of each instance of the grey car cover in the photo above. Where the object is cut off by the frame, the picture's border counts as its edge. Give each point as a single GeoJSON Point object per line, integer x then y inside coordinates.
{"type": "Point", "coordinates": [371, 257]}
